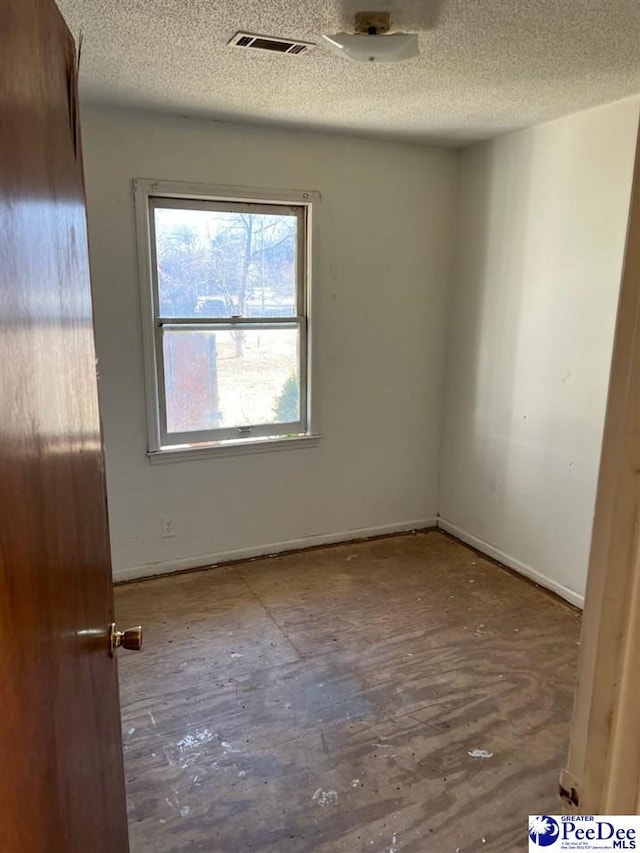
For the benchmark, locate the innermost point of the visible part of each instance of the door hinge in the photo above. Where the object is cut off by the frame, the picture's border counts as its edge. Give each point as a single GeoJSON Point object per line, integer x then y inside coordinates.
{"type": "Point", "coordinates": [569, 791]}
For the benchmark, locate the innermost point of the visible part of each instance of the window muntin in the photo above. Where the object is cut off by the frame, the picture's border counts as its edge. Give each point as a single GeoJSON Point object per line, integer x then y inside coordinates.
{"type": "Point", "coordinates": [230, 319]}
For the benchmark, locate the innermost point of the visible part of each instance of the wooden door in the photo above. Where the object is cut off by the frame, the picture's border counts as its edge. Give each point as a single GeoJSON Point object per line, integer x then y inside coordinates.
{"type": "Point", "coordinates": [603, 773]}
{"type": "Point", "coordinates": [61, 779]}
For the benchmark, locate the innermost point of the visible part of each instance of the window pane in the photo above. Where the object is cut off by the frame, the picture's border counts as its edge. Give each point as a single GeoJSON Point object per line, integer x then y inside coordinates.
{"type": "Point", "coordinates": [230, 378]}
{"type": "Point", "coordinates": [214, 263]}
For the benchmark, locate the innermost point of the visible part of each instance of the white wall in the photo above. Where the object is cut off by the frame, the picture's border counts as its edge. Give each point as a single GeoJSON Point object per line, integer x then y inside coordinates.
{"type": "Point", "coordinates": [382, 243]}
{"type": "Point", "coordinates": [541, 230]}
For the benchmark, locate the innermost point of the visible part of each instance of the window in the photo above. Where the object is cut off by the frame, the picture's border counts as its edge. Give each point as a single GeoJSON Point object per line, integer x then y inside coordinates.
{"type": "Point", "coordinates": [224, 277]}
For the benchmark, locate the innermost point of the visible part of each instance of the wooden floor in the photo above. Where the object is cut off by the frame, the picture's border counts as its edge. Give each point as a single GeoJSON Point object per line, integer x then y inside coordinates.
{"type": "Point", "coordinates": [329, 701]}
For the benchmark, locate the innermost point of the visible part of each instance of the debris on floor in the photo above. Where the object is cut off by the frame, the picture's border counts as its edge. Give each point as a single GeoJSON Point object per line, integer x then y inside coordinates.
{"type": "Point", "coordinates": [480, 753]}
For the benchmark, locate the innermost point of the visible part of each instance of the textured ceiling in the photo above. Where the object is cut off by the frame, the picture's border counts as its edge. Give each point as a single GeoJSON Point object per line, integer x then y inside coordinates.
{"type": "Point", "coordinates": [487, 66]}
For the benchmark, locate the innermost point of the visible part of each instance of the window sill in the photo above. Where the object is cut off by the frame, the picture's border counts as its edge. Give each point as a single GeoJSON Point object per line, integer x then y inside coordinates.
{"type": "Point", "coordinates": [232, 448]}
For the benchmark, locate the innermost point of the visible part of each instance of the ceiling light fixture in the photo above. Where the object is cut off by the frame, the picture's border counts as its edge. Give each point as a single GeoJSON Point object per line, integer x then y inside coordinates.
{"type": "Point", "coordinates": [371, 41]}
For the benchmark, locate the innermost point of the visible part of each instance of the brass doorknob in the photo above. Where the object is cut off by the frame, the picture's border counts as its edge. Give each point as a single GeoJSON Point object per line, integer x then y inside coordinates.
{"type": "Point", "coordinates": [130, 639]}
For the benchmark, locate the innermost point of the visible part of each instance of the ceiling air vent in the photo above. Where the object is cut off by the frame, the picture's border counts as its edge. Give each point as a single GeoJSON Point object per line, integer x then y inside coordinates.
{"type": "Point", "coordinates": [270, 44]}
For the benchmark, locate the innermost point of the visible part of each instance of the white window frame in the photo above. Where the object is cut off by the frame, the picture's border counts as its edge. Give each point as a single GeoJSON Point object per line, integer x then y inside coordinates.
{"type": "Point", "coordinates": [163, 446]}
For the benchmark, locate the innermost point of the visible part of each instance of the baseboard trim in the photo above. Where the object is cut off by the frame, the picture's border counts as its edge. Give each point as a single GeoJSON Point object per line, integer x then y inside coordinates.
{"type": "Point", "coordinates": [512, 563]}
{"type": "Point", "coordinates": [210, 560]}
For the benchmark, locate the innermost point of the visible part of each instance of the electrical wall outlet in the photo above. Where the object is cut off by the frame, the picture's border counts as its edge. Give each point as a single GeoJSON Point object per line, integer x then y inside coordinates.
{"type": "Point", "coordinates": [167, 527]}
